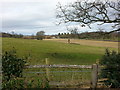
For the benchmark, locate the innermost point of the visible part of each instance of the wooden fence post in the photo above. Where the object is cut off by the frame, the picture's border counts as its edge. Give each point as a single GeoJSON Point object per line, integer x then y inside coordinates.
{"type": "Point", "coordinates": [47, 69]}
{"type": "Point", "coordinates": [94, 75]}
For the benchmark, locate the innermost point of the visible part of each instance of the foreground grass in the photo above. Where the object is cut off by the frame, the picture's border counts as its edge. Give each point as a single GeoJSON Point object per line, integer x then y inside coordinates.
{"type": "Point", "coordinates": [57, 52]}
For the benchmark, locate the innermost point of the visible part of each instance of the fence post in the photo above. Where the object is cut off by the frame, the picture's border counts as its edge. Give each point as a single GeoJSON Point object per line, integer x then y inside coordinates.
{"type": "Point", "coordinates": [47, 69]}
{"type": "Point", "coordinates": [94, 75]}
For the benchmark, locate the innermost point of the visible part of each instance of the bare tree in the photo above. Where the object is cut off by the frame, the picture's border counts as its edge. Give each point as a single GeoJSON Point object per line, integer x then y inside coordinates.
{"type": "Point", "coordinates": [74, 32]}
{"type": "Point", "coordinates": [88, 12]}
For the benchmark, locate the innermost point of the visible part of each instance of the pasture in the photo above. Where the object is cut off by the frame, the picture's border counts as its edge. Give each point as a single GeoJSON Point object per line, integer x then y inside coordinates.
{"type": "Point", "coordinates": [107, 44]}
{"type": "Point", "coordinates": [58, 51]}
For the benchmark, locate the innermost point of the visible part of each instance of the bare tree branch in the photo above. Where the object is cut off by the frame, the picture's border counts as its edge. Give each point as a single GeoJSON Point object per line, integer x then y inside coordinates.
{"type": "Point", "coordinates": [86, 12]}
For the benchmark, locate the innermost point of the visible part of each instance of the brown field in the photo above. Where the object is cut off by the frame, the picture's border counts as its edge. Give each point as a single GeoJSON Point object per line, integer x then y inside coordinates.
{"type": "Point", "coordinates": [89, 42]}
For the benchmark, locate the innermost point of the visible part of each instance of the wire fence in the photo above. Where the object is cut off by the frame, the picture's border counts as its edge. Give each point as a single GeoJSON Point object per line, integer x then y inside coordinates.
{"type": "Point", "coordinates": [61, 75]}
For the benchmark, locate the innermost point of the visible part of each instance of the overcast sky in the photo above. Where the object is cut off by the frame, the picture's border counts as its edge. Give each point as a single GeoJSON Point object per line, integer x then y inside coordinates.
{"type": "Point", "coordinates": [30, 16]}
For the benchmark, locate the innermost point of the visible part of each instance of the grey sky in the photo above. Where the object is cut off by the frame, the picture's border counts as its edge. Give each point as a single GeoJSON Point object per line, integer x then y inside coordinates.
{"type": "Point", "coordinates": [29, 16]}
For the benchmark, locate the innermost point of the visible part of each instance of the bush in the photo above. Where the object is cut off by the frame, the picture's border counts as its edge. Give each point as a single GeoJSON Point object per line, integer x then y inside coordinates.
{"type": "Point", "coordinates": [13, 84]}
{"type": "Point", "coordinates": [111, 69]}
{"type": "Point", "coordinates": [12, 66]}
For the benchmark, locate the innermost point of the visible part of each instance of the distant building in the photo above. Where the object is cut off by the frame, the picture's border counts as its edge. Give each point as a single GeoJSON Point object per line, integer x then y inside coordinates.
{"type": "Point", "coordinates": [53, 37]}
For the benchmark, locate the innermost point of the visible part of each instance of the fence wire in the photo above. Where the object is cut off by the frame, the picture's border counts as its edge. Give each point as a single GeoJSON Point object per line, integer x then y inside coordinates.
{"type": "Point", "coordinates": [60, 76]}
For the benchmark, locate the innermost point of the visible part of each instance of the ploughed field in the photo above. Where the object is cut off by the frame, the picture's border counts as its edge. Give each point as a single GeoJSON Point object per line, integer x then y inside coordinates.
{"type": "Point", "coordinates": [58, 51]}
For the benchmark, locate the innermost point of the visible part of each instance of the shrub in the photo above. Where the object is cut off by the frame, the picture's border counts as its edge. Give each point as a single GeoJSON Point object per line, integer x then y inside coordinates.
{"type": "Point", "coordinates": [24, 83]}
{"type": "Point", "coordinates": [13, 84]}
{"type": "Point", "coordinates": [111, 69]}
{"type": "Point", "coordinates": [12, 66]}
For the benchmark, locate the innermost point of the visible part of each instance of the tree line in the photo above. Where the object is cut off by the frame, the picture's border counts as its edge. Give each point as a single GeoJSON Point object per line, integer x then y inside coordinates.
{"type": "Point", "coordinates": [39, 35]}
{"type": "Point", "coordinates": [73, 34]}
{"type": "Point", "coordinates": [13, 35]}
{"type": "Point", "coordinates": [90, 35]}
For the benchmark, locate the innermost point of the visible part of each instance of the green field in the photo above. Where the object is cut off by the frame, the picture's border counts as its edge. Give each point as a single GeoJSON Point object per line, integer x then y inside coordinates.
{"type": "Point", "coordinates": [57, 52]}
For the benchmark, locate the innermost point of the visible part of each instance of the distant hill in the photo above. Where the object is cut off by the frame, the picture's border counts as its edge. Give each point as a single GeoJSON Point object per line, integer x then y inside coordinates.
{"type": "Point", "coordinates": [3, 34]}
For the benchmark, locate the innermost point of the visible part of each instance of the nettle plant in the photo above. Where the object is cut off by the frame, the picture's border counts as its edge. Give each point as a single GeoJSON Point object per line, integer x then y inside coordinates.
{"type": "Point", "coordinates": [12, 66]}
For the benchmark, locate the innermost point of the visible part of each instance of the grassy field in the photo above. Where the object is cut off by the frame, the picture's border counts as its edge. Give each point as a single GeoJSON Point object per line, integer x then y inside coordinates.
{"type": "Point", "coordinates": [58, 51]}
{"type": "Point", "coordinates": [97, 43]}
{"type": "Point", "coordinates": [84, 52]}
